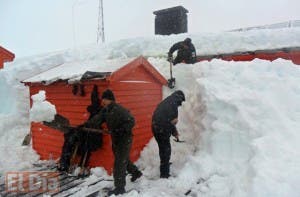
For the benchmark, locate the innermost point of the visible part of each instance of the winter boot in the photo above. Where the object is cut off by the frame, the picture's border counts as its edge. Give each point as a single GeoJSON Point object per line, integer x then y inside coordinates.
{"type": "Point", "coordinates": [164, 176]}
{"type": "Point", "coordinates": [165, 170]}
{"type": "Point", "coordinates": [116, 191]}
{"type": "Point", "coordinates": [137, 174]}
{"type": "Point", "coordinates": [62, 167]}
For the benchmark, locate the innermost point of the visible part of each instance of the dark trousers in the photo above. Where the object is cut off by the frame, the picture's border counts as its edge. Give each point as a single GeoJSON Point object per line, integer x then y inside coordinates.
{"type": "Point", "coordinates": [164, 154]}
{"type": "Point", "coordinates": [121, 148]}
{"type": "Point", "coordinates": [67, 149]}
{"type": "Point", "coordinates": [84, 145]}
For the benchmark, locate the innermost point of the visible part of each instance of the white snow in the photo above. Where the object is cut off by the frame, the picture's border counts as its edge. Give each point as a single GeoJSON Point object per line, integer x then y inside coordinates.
{"type": "Point", "coordinates": [240, 121]}
{"type": "Point", "coordinates": [41, 109]}
{"type": "Point", "coordinates": [73, 64]}
{"type": "Point", "coordinates": [73, 71]}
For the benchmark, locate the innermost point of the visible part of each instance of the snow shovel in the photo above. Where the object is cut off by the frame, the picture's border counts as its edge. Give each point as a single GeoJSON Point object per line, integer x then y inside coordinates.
{"type": "Point", "coordinates": [171, 81]}
{"type": "Point", "coordinates": [27, 139]}
{"type": "Point", "coordinates": [62, 124]}
{"type": "Point", "coordinates": [178, 140]}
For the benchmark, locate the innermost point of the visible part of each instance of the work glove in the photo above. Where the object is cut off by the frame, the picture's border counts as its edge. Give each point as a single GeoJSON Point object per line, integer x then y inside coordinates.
{"type": "Point", "coordinates": [177, 137]}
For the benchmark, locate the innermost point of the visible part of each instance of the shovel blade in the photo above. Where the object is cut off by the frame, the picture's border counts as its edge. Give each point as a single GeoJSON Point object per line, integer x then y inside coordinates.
{"type": "Point", "coordinates": [26, 140]}
{"type": "Point", "coordinates": [171, 83]}
{"type": "Point", "coordinates": [59, 123]}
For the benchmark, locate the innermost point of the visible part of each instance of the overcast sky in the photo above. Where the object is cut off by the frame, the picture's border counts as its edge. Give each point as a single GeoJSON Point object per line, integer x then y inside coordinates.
{"type": "Point", "coordinates": [29, 27]}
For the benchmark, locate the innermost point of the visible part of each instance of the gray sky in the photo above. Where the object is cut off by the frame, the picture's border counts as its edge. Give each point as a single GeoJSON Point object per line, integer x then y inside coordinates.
{"type": "Point", "coordinates": [30, 27]}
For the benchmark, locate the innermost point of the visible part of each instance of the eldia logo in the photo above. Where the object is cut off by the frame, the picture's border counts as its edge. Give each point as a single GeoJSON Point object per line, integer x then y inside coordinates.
{"type": "Point", "coordinates": [25, 182]}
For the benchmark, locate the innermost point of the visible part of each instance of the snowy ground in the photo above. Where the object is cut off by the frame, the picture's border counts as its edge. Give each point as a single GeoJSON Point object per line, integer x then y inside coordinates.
{"type": "Point", "coordinates": [241, 120]}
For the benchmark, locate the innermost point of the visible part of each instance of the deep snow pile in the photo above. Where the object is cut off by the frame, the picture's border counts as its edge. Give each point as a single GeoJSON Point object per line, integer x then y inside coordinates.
{"type": "Point", "coordinates": [240, 121]}
{"type": "Point", "coordinates": [250, 116]}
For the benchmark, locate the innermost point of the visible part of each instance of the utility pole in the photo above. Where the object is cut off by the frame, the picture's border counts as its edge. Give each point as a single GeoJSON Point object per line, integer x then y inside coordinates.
{"type": "Point", "coordinates": [100, 33]}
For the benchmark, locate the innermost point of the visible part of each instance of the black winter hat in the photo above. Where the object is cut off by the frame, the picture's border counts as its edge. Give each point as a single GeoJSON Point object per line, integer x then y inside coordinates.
{"type": "Point", "coordinates": [188, 41]}
{"type": "Point", "coordinates": [108, 94]}
{"type": "Point", "coordinates": [180, 95]}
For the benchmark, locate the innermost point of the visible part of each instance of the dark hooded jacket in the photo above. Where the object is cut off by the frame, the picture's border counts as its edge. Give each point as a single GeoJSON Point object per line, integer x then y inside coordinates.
{"type": "Point", "coordinates": [118, 119]}
{"type": "Point", "coordinates": [186, 52]}
{"type": "Point", "coordinates": [165, 112]}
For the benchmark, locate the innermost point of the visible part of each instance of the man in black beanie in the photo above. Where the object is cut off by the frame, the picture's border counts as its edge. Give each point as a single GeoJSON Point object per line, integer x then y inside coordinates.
{"type": "Point", "coordinates": [164, 120]}
{"type": "Point", "coordinates": [120, 123]}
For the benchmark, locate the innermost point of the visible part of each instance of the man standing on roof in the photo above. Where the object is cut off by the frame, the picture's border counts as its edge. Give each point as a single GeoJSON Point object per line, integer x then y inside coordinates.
{"type": "Point", "coordinates": [186, 52]}
{"type": "Point", "coordinates": [120, 123]}
{"type": "Point", "coordinates": [164, 119]}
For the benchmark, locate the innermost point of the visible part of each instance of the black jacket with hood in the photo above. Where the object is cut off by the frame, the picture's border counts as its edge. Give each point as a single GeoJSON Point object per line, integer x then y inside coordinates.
{"type": "Point", "coordinates": [119, 120]}
{"type": "Point", "coordinates": [186, 50]}
{"type": "Point", "coordinates": [165, 112]}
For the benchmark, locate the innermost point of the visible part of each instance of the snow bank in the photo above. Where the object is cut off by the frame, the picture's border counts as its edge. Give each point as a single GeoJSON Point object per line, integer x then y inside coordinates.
{"type": "Point", "coordinates": [14, 124]}
{"type": "Point", "coordinates": [249, 113]}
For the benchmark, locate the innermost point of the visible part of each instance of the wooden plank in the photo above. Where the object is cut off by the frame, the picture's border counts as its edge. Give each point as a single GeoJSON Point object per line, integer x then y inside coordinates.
{"type": "Point", "coordinates": [140, 98]}
{"type": "Point", "coordinates": [67, 88]}
{"type": "Point", "coordinates": [142, 111]}
{"type": "Point", "coordinates": [142, 125]}
{"type": "Point", "coordinates": [75, 108]}
{"type": "Point", "coordinates": [138, 74]}
{"type": "Point", "coordinates": [137, 105]}
{"type": "Point", "coordinates": [134, 86]}
{"type": "Point", "coordinates": [71, 102]}
{"type": "Point", "coordinates": [47, 144]}
{"type": "Point", "coordinates": [48, 138]}
{"type": "Point", "coordinates": [143, 133]}
{"type": "Point", "coordinates": [82, 108]}
{"type": "Point", "coordinates": [47, 150]}
{"type": "Point", "coordinates": [66, 96]}
{"type": "Point", "coordinates": [74, 115]}
{"type": "Point", "coordinates": [129, 92]}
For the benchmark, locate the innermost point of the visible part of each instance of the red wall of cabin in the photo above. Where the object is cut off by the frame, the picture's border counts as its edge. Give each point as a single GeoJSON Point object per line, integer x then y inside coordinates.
{"type": "Point", "coordinates": [137, 91]}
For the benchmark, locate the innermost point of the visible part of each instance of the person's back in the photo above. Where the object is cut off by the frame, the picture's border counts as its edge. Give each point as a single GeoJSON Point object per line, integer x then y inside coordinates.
{"type": "Point", "coordinates": [119, 117]}
{"type": "Point", "coordinates": [165, 112]}
{"type": "Point", "coordinates": [186, 52]}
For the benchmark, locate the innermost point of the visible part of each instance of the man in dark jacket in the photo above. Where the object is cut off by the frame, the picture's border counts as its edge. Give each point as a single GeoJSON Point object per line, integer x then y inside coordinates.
{"type": "Point", "coordinates": [164, 120]}
{"type": "Point", "coordinates": [78, 141]}
{"type": "Point", "coordinates": [120, 123]}
{"type": "Point", "coordinates": [186, 52]}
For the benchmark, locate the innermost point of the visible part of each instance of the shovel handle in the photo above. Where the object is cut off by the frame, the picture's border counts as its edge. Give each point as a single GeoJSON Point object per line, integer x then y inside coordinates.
{"type": "Point", "coordinates": [177, 140]}
{"type": "Point", "coordinates": [171, 70]}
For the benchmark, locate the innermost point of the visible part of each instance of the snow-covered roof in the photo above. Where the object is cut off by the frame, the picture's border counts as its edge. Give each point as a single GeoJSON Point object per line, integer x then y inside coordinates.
{"type": "Point", "coordinates": [73, 71]}
{"type": "Point", "coordinates": [156, 46]}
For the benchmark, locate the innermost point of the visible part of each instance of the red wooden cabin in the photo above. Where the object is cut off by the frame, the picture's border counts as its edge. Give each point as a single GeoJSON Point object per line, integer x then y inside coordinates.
{"type": "Point", "coordinates": [137, 86]}
{"type": "Point", "coordinates": [5, 56]}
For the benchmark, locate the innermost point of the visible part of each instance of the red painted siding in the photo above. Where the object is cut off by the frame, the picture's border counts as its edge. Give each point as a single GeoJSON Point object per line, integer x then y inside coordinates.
{"type": "Point", "coordinates": [137, 90]}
